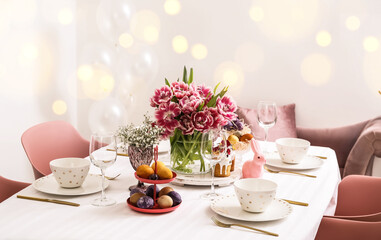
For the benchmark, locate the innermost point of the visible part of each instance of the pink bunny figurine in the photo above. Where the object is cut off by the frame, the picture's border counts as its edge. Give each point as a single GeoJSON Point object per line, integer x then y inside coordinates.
{"type": "Point", "coordinates": [254, 168]}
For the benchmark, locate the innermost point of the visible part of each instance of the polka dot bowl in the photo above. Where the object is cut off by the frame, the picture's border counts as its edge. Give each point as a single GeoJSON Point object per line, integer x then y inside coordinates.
{"type": "Point", "coordinates": [70, 172]}
{"type": "Point", "coordinates": [292, 150]}
{"type": "Point", "coordinates": [255, 194]}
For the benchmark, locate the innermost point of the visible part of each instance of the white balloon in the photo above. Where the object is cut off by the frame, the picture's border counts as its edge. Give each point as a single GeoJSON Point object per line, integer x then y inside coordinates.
{"type": "Point", "coordinates": [142, 62]}
{"type": "Point", "coordinates": [98, 53]}
{"type": "Point", "coordinates": [107, 115]}
{"type": "Point", "coordinates": [113, 18]}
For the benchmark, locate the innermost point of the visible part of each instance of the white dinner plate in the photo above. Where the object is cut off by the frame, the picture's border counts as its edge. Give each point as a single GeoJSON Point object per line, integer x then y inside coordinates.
{"type": "Point", "coordinates": [309, 162]}
{"type": "Point", "coordinates": [228, 206]}
{"type": "Point", "coordinates": [206, 179]}
{"type": "Point", "coordinates": [48, 184]}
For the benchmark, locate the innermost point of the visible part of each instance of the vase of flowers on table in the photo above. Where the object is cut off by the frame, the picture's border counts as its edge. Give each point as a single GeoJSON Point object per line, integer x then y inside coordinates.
{"type": "Point", "coordinates": [186, 110]}
{"type": "Point", "coordinates": [139, 142]}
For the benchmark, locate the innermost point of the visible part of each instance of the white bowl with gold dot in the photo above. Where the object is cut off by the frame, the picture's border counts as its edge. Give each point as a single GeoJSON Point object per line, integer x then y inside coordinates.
{"type": "Point", "coordinates": [255, 194]}
{"type": "Point", "coordinates": [70, 172]}
{"type": "Point", "coordinates": [292, 150]}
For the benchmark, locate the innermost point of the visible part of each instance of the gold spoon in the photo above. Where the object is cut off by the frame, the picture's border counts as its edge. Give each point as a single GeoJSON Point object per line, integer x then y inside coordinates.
{"type": "Point", "coordinates": [275, 171]}
{"type": "Point", "coordinates": [227, 225]}
{"type": "Point", "coordinates": [112, 178]}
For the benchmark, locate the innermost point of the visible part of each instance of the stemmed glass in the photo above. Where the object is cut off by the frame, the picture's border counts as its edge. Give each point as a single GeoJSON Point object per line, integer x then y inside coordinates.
{"type": "Point", "coordinates": [213, 148]}
{"type": "Point", "coordinates": [266, 116]}
{"type": "Point", "coordinates": [102, 157]}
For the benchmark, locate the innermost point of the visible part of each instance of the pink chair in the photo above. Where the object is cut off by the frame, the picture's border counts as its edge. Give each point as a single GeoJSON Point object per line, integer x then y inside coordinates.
{"type": "Point", "coordinates": [9, 187]}
{"type": "Point", "coordinates": [51, 140]}
{"type": "Point", "coordinates": [358, 211]}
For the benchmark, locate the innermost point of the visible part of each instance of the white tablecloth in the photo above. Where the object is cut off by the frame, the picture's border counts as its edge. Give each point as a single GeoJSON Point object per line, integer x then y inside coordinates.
{"type": "Point", "coordinates": [25, 219]}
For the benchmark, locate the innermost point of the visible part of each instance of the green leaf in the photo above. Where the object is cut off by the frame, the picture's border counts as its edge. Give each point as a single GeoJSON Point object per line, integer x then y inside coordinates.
{"type": "Point", "coordinates": [185, 80]}
{"type": "Point", "coordinates": [190, 76]}
{"type": "Point", "coordinates": [215, 88]}
{"type": "Point", "coordinates": [167, 83]}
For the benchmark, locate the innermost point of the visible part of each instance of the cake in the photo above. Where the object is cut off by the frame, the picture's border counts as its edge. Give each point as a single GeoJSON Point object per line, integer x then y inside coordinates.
{"type": "Point", "coordinates": [223, 168]}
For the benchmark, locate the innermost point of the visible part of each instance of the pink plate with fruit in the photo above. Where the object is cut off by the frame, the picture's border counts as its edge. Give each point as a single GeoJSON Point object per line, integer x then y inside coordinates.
{"type": "Point", "coordinates": [151, 210]}
{"type": "Point", "coordinates": [163, 181]}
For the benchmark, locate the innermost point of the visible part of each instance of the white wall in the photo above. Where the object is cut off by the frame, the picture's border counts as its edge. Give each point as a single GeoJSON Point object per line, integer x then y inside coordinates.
{"type": "Point", "coordinates": [345, 77]}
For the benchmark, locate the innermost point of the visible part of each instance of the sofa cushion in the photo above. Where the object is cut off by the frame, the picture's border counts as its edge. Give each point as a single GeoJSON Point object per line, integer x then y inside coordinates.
{"type": "Point", "coordinates": [285, 125]}
{"type": "Point", "coordinates": [366, 147]}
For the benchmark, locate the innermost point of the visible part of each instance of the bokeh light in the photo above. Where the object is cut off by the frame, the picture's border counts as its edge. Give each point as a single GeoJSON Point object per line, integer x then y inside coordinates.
{"type": "Point", "coordinates": [250, 56]}
{"type": "Point", "coordinates": [256, 13]}
{"type": "Point", "coordinates": [323, 38]}
{"type": "Point", "coordinates": [352, 23]}
{"type": "Point", "coordinates": [372, 72]}
{"type": "Point", "coordinates": [101, 83]}
{"type": "Point", "coordinates": [126, 40]}
{"type": "Point", "coordinates": [199, 51]}
{"type": "Point", "coordinates": [316, 69]}
{"type": "Point", "coordinates": [172, 7]}
{"type": "Point", "coordinates": [180, 44]}
{"type": "Point", "coordinates": [65, 16]}
{"type": "Point", "coordinates": [230, 74]}
{"type": "Point", "coordinates": [371, 44]}
{"type": "Point", "coordinates": [85, 72]}
{"type": "Point", "coordinates": [59, 107]}
{"type": "Point", "coordinates": [145, 26]}
{"type": "Point", "coordinates": [287, 20]}
{"type": "Point", "coordinates": [28, 54]}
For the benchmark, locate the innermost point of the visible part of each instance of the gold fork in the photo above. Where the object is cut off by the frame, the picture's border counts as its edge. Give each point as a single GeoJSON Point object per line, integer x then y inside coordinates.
{"type": "Point", "coordinates": [276, 171]}
{"type": "Point", "coordinates": [227, 225]}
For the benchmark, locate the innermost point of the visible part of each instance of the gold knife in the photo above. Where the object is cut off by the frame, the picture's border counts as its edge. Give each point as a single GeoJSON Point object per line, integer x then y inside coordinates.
{"type": "Point", "coordinates": [296, 202]}
{"type": "Point", "coordinates": [49, 200]}
{"type": "Point", "coordinates": [119, 154]}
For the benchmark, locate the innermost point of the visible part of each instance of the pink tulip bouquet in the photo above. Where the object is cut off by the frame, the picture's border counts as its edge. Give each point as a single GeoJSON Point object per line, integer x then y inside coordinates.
{"type": "Point", "coordinates": [185, 111]}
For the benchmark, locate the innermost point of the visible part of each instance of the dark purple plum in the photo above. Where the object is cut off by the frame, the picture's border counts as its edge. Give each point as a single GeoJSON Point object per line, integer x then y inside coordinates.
{"type": "Point", "coordinates": [149, 191]}
{"type": "Point", "coordinates": [145, 202]}
{"type": "Point", "coordinates": [175, 197]}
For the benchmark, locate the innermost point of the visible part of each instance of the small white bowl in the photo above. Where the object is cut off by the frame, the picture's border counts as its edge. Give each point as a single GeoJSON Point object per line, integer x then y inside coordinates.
{"type": "Point", "coordinates": [255, 194]}
{"type": "Point", "coordinates": [292, 150]}
{"type": "Point", "coordinates": [70, 172]}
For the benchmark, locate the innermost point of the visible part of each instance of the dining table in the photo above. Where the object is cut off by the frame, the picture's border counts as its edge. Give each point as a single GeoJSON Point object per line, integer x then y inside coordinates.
{"type": "Point", "coordinates": [26, 219]}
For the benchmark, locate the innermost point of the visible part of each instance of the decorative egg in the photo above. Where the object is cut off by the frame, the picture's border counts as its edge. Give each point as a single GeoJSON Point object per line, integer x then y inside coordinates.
{"type": "Point", "coordinates": [165, 201]}
{"type": "Point", "coordinates": [135, 197]}
{"type": "Point", "coordinates": [165, 191]}
{"type": "Point", "coordinates": [164, 173]}
{"type": "Point", "coordinates": [149, 191]}
{"type": "Point", "coordinates": [145, 202]}
{"type": "Point", "coordinates": [153, 177]}
{"type": "Point", "coordinates": [144, 171]}
{"type": "Point", "coordinates": [175, 197]}
{"type": "Point", "coordinates": [136, 190]}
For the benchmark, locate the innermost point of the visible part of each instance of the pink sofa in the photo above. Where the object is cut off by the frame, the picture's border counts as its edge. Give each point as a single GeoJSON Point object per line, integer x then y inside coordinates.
{"type": "Point", "coordinates": [355, 145]}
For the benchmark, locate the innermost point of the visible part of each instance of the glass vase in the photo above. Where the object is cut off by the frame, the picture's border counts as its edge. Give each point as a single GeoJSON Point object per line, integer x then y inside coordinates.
{"type": "Point", "coordinates": [186, 154]}
{"type": "Point", "coordinates": [139, 156]}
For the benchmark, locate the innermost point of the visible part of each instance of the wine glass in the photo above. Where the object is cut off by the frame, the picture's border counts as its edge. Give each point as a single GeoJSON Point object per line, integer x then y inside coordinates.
{"type": "Point", "coordinates": [102, 157]}
{"type": "Point", "coordinates": [213, 148]}
{"type": "Point", "coordinates": [266, 116]}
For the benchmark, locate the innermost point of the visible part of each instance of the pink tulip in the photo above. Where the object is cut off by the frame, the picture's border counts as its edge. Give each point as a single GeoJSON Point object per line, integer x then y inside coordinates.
{"type": "Point", "coordinates": [186, 125]}
{"type": "Point", "coordinates": [202, 121]}
{"type": "Point", "coordinates": [226, 107]}
{"type": "Point", "coordinates": [190, 104]}
{"type": "Point", "coordinates": [180, 89]}
{"type": "Point", "coordinates": [162, 95]}
{"type": "Point", "coordinates": [165, 115]}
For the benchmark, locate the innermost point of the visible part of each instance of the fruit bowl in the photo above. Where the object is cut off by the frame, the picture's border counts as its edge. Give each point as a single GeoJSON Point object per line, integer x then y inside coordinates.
{"type": "Point", "coordinates": [156, 209]}
{"type": "Point", "coordinates": [163, 181]}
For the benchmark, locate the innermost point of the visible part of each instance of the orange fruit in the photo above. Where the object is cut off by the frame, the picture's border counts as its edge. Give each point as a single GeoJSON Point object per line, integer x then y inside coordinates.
{"type": "Point", "coordinates": [160, 164]}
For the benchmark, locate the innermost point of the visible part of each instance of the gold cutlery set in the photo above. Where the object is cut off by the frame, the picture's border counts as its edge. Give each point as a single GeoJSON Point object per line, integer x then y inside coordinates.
{"type": "Point", "coordinates": [49, 200]}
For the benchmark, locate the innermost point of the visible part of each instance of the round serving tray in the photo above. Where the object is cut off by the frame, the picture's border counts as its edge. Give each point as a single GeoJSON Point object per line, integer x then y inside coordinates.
{"type": "Point", "coordinates": [163, 181]}
{"type": "Point", "coordinates": [151, 210]}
